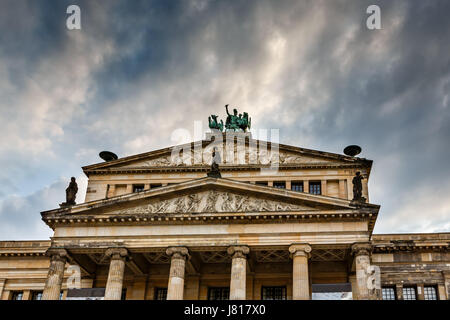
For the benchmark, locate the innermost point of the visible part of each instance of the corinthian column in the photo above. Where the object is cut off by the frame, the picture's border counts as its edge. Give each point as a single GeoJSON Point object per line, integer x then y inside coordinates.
{"type": "Point", "coordinates": [55, 274]}
{"type": "Point", "coordinates": [175, 290]}
{"type": "Point", "coordinates": [114, 284]}
{"type": "Point", "coordinates": [238, 271]}
{"type": "Point", "coordinates": [361, 252]}
{"type": "Point", "coordinates": [300, 277]}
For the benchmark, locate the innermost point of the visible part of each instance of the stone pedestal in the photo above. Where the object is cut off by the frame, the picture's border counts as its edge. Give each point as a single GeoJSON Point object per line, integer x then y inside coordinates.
{"type": "Point", "coordinates": [300, 278]}
{"type": "Point", "coordinates": [114, 284]}
{"type": "Point", "coordinates": [175, 289]}
{"type": "Point", "coordinates": [55, 276]}
{"type": "Point", "coordinates": [361, 252]}
{"type": "Point", "coordinates": [238, 272]}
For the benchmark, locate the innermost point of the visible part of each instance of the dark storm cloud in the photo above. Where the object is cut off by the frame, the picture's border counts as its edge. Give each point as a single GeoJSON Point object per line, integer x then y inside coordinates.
{"type": "Point", "coordinates": [139, 70]}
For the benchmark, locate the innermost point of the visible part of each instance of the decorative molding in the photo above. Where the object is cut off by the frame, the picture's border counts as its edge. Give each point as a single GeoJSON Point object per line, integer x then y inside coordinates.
{"type": "Point", "coordinates": [117, 253]}
{"type": "Point", "coordinates": [178, 253]}
{"type": "Point", "coordinates": [57, 254]}
{"type": "Point", "coordinates": [263, 256]}
{"type": "Point", "coordinates": [238, 251]}
{"type": "Point", "coordinates": [329, 255]}
{"type": "Point", "coordinates": [214, 257]}
{"type": "Point", "coordinates": [300, 249]}
{"type": "Point", "coordinates": [362, 249]}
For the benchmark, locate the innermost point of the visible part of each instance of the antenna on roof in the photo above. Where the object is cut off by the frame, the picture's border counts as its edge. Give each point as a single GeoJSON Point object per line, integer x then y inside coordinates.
{"type": "Point", "coordinates": [108, 156]}
{"type": "Point", "coordinates": [352, 150]}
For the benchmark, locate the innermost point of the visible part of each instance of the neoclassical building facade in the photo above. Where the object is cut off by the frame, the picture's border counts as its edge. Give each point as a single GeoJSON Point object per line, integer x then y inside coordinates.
{"type": "Point", "coordinates": [156, 226]}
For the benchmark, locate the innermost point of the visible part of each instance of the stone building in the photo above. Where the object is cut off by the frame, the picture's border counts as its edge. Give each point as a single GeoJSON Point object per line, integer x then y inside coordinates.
{"type": "Point", "coordinates": [155, 226]}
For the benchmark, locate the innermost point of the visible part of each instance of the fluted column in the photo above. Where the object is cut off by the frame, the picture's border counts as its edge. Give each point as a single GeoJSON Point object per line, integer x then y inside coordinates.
{"type": "Point", "coordinates": [238, 271]}
{"type": "Point", "coordinates": [55, 276]}
{"type": "Point", "coordinates": [114, 284]}
{"type": "Point", "coordinates": [300, 277]}
{"type": "Point", "coordinates": [175, 289]}
{"type": "Point", "coordinates": [361, 252]}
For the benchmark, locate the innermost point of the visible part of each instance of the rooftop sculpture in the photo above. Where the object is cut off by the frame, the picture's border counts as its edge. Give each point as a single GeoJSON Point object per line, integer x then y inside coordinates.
{"type": "Point", "coordinates": [234, 122]}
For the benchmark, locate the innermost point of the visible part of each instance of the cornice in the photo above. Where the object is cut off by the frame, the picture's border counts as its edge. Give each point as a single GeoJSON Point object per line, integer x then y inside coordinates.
{"type": "Point", "coordinates": [214, 218]}
{"type": "Point", "coordinates": [410, 246]}
{"type": "Point", "coordinates": [100, 167]}
{"type": "Point", "coordinates": [224, 168]}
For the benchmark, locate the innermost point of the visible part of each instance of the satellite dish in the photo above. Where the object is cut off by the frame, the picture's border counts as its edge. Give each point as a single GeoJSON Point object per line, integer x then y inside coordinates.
{"type": "Point", "coordinates": [352, 150]}
{"type": "Point", "coordinates": [108, 156]}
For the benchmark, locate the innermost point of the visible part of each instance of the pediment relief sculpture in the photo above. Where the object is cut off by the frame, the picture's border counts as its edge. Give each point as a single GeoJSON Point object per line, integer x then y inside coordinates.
{"type": "Point", "coordinates": [212, 202]}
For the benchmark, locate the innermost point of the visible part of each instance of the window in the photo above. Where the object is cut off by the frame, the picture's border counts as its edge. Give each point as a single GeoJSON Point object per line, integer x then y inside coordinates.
{"type": "Point", "coordinates": [155, 185]}
{"type": "Point", "coordinates": [261, 183]}
{"type": "Point", "coordinates": [219, 293]}
{"type": "Point", "coordinates": [273, 293]}
{"type": "Point", "coordinates": [61, 294]}
{"type": "Point", "coordinates": [314, 188]}
{"type": "Point", "coordinates": [388, 293]}
{"type": "Point", "coordinates": [280, 185]}
{"type": "Point", "coordinates": [138, 187]}
{"type": "Point", "coordinates": [37, 295]}
{"type": "Point", "coordinates": [161, 294]}
{"type": "Point", "coordinates": [17, 295]}
{"type": "Point", "coordinates": [297, 186]}
{"type": "Point", "coordinates": [430, 293]}
{"type": "Point", "coordinates": [409, 293]}
{"type": "Point", "coordinates": [124, 294]}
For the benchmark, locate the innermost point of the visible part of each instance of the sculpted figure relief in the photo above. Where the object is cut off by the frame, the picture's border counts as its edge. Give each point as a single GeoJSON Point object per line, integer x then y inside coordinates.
{"type": "Point", "coordinates": [212, 201]}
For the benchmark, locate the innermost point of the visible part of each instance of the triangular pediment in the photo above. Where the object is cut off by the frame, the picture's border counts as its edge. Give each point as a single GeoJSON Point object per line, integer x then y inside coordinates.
{"type": "Point", "coordinates": [207, 196]}
{"type": "Point", "coordinates": [252, 152]}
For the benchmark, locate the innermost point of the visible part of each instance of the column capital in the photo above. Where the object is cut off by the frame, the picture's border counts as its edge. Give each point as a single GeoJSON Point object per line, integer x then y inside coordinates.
{"type": "Point", "coordinates": [361, 248]}
{"type": "Point", "coordinates": [57, 254]}
{"type": "Point", "coordinates": [178, 252]}
{"type": "Point", "coordinates": [117, 253]}
{"type": "Point", "coordinates": [238, 251]}
{"type": "Point", "coordinates": [300, 249]}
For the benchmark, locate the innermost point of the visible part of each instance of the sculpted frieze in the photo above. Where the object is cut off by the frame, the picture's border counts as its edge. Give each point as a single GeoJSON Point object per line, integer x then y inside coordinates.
{"type": "Point", "coordinates": [210, 202]}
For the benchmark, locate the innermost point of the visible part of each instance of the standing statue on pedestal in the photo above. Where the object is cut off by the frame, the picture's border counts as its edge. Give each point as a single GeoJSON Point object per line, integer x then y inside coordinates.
{"type": "Point", "coordinates": [357, 188]}
{"type": "Point", "coordinates": [71, 193]}
{"type": "Point", "coordinates": [214, 172]}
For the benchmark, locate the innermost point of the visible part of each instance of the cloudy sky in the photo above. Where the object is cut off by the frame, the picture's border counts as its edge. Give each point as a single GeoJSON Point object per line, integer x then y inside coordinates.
{"type": "Point", "coordinates": [138, 70]}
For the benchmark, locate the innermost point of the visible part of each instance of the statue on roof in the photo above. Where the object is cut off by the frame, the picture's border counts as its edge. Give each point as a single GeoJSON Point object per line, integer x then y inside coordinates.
{"type": "Point", "coordinates": [357, 188]}
{"type": "Point", "coordinates": [234, 122]}
{"type": "Point", "coordinates": [71, 193]}
{"type": "Point", "coordinates": [214, 172]}
{"type": "Point", "coordinates": [214, 124]}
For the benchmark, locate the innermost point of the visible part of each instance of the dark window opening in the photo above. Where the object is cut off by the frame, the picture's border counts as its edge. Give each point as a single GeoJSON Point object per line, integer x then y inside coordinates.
{"type": "Point", "coordinates": [280, 185]}
{"type": "Point", "coordinates": [430, 293]}
{"type": "Point", "coordinates": [155, 185]}
{"type": "Point", "coordinates": [409, 293]}
{"type": "Point", "coordinates": [17, 295]}
{"type": "Point", "coordinates": [273, 293]}
{"type": "Point", "coordinates": [138, 188]}
{"type": "Point", "coordinates": [161, 294]}
{"type": "Point", "coordinates": [219, 293]}
{"type": "Point", "coordinates": [37, 295]}
{"type": "Point", "coordinates": [297, 186]}
{"type": "Point", "coordinates": [388, 293]}
{"type": "Point", "coordinates": [261, 183]}
{"type": "Point", "coordinates": [314, 188]}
